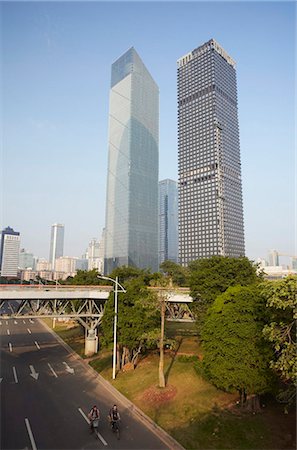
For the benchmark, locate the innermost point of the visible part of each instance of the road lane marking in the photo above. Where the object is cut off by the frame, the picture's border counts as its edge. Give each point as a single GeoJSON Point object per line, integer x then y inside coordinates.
{"type": "Point", "coordinates": [24, 321]}
{"type": "Point", "coordinates": [1, 380]}
{"type": "Point", "coordinates": [6, 322]}
{"type": "Point", "coordinates": [37, 345]}
{"type": "Point", "coordinates": [52, 370]}
{"type": "Point", "coordinates": [15, 375]}
{"type": "Point", "coordinates": [69, 369]}
{"type": "Point", "coordinates": [10, 347]}
{"type": "Point", "coordinates": [31, 321]}
{"type": "Point", "coordinates": [98, 434]}
{"type": "Point", "coordinates": [33, 373]}
{"type": "Point", "coordinates": [15, 322]}
{"type": "Point", "coordinates": [8, 332]}
{"type": "Point", "coordinates": [30, 434]}
{"type": "Point", "coordinates": [29, 331]}
{"type": "Point", "coordinates": [0, 322]}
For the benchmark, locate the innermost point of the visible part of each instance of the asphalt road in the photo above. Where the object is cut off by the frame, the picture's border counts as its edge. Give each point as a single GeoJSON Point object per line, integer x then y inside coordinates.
{"type": "Point", "coordinates": [46, 394]}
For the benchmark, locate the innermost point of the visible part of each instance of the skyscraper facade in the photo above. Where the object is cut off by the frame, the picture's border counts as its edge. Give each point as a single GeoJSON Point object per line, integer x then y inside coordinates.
{"type": "Point", "coordinates": [131, 232]}
{"type": "Point", "coordinates": [210, 188]}
{"type": "Point", "coordinates": [56, 244]}
{"type": "Point", "coordinates": [168, 221]}
{"type": "Point", "coordinates": [9, 253]}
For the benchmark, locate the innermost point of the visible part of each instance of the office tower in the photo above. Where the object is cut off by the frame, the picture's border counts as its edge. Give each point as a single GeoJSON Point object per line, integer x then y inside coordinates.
{"type": "Point", "coordinates": [168, 221]}
{"type": "Point", "coordinates": [26, 260]}
{"type": "Point", "coordinates": [273, 258]}
{"type": "Point", "coordinates": [57, 243]}
{"type": "Point", "coordinates": [132, 183]}
{"type": "Point", "coordinates": [210, 192]}
{"type": "Point", "coordinates": [9, 253]}
{"type": "Point", "coordinates": [93, 254]}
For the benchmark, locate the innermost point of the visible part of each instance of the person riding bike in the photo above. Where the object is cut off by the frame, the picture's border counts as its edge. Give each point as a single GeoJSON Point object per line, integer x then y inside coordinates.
{"type": "Point", "coordinates": [114, 416]}
{"type": "Point", "coordinates": [94, 414]}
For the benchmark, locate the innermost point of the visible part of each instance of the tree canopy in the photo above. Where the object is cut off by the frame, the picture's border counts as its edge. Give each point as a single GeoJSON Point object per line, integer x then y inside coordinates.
{"type": "Point", "coordinates": [178, 274]}
{"type": "Point", "coordinates": [212, 276]}
{"type": "Point", "coordinates": [138, 319]}
{"type": "Point", "coordinates": [236, 356]}
{"type": "Point", "coordinates": [281, 297]}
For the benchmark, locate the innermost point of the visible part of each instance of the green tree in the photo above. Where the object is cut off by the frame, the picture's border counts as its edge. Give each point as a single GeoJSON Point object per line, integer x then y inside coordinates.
{"type": "Point", "coordinates": [85, 278]}
{"type": "Point", "coordinates": [178, 274]}
{"type": "Point", "coordinates": [236, 356]}
{"type": "Point", "coordinates": [138, 321]}
{"type": "Point", "coordinates": [212, 276]}
{"type": "Point", "coordinates": [281, 298]}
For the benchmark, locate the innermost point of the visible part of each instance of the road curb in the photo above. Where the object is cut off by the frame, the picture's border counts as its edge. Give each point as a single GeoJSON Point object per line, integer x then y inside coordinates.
{"type": "Point", "coordinates": [156, 429]}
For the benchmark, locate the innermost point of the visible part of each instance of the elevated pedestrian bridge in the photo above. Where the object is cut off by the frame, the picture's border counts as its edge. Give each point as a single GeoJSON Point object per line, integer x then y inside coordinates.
{"type": "Point", "coordinates": [83, 303]}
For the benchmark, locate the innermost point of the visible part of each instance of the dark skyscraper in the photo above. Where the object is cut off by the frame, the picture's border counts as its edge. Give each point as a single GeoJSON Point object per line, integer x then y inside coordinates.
{"type": "Point", "coordinates": [168, 221]}
{"type": "Point", "coordinates": [210, 191]}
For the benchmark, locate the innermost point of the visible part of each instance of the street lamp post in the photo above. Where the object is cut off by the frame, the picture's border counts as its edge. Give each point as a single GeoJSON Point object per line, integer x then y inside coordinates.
{"type": "Point", "coordinates": [115, 289]}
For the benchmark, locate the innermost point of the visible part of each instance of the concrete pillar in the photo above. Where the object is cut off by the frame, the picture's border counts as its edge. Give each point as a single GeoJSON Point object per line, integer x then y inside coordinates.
{"type": "Point", "coordinates": [91, 343]}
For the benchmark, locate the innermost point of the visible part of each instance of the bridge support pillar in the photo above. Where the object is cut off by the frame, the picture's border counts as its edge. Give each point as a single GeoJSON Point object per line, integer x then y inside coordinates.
{"type": "Point", "coordinates": [91, 343]}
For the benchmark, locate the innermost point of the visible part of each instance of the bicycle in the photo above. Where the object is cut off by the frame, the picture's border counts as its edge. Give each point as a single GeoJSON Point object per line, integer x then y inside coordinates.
{"type": "Point", "coordinates": [115, 426]}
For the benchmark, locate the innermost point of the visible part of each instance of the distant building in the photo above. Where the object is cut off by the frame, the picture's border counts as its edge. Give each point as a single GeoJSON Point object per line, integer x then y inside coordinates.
{"type": "Point", "coordinates": [26, 260]}
{"type": "Point", "coordinates": [131, 232]}
{"type": "Point", "coordinates": [9, 253]}
{"type": "Point", "coordinates": [273, 258]}
{"type": "Point", "coordinates": [42, 265]}
{"type": "Point", "coordinates": [56, 244]}
{"type": "Point", "coordinates": [81, 264]}
{"type": "Point", "coordinates": [66, 264]}
{"type": "Point", "coordinates": [93, 255]}
{"type": "Point", "coordinates": [210, 187]}
{"type": "Point", "coordinates": [168, 221]}
{"type": "Point", "coordinates": [294, 263]}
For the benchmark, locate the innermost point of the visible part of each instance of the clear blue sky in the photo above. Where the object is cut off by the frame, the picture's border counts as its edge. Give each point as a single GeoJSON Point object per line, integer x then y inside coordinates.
{"type": "Point", "coordinates": [56, 61]}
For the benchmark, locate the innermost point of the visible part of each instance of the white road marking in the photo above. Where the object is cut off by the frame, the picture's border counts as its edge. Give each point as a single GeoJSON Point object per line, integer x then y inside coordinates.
{"type": "Point", "coordinates": [30, 434]}
{"type": "Point", "coordinates": [15, 375]}
{"type": "Point", "coordinates": [15, 322]}
{"type": "Point", "coordinates": [1, 380]}
{"type": "Point", "coordinates": [37, 345]}
{"type": "Point", "coordinates": [31, 321]}
{"type": "Point", "coordinates": [0, 322]}
{"type": "Point", "coordinates": [8, 332]}
{"type": "Point", "coordinates": [6, 322]}
{"type": "Point", "coordinates": [69, 369]}
{"type": "Point", "coordinates": [10, 347]}
{"type": "Point", "coordinates": [98, 434]}
{"type": "Point", "coordinates": [33, 374]}
{"type": "Point", "coordinates": [29, 331]}
{"type": "Point", "coordinates": [52, 370]}
{"type": "Point", "coordinates": [24, 321]}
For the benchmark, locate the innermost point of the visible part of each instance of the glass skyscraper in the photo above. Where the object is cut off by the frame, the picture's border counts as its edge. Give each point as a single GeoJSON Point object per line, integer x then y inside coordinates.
{"type": "Point", "coordinates": [210, 189]}
{"type": "Point", "coordinates": [131, 232]}
{"type": "Point", "coordinates": [168, 221]}
{"type": "Point", "coordinates": [57, 243]}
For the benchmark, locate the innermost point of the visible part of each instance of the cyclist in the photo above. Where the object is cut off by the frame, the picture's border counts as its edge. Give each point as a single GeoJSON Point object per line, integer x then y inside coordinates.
{"type": "Point", "coordinates": [94, 414]}
{"type": "Point", "coordinates": [114, 417]}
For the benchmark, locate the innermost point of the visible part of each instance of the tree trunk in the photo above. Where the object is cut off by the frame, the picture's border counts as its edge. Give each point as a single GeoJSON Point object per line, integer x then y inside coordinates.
{"type": "Point", "coordinates": [161, 361]}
